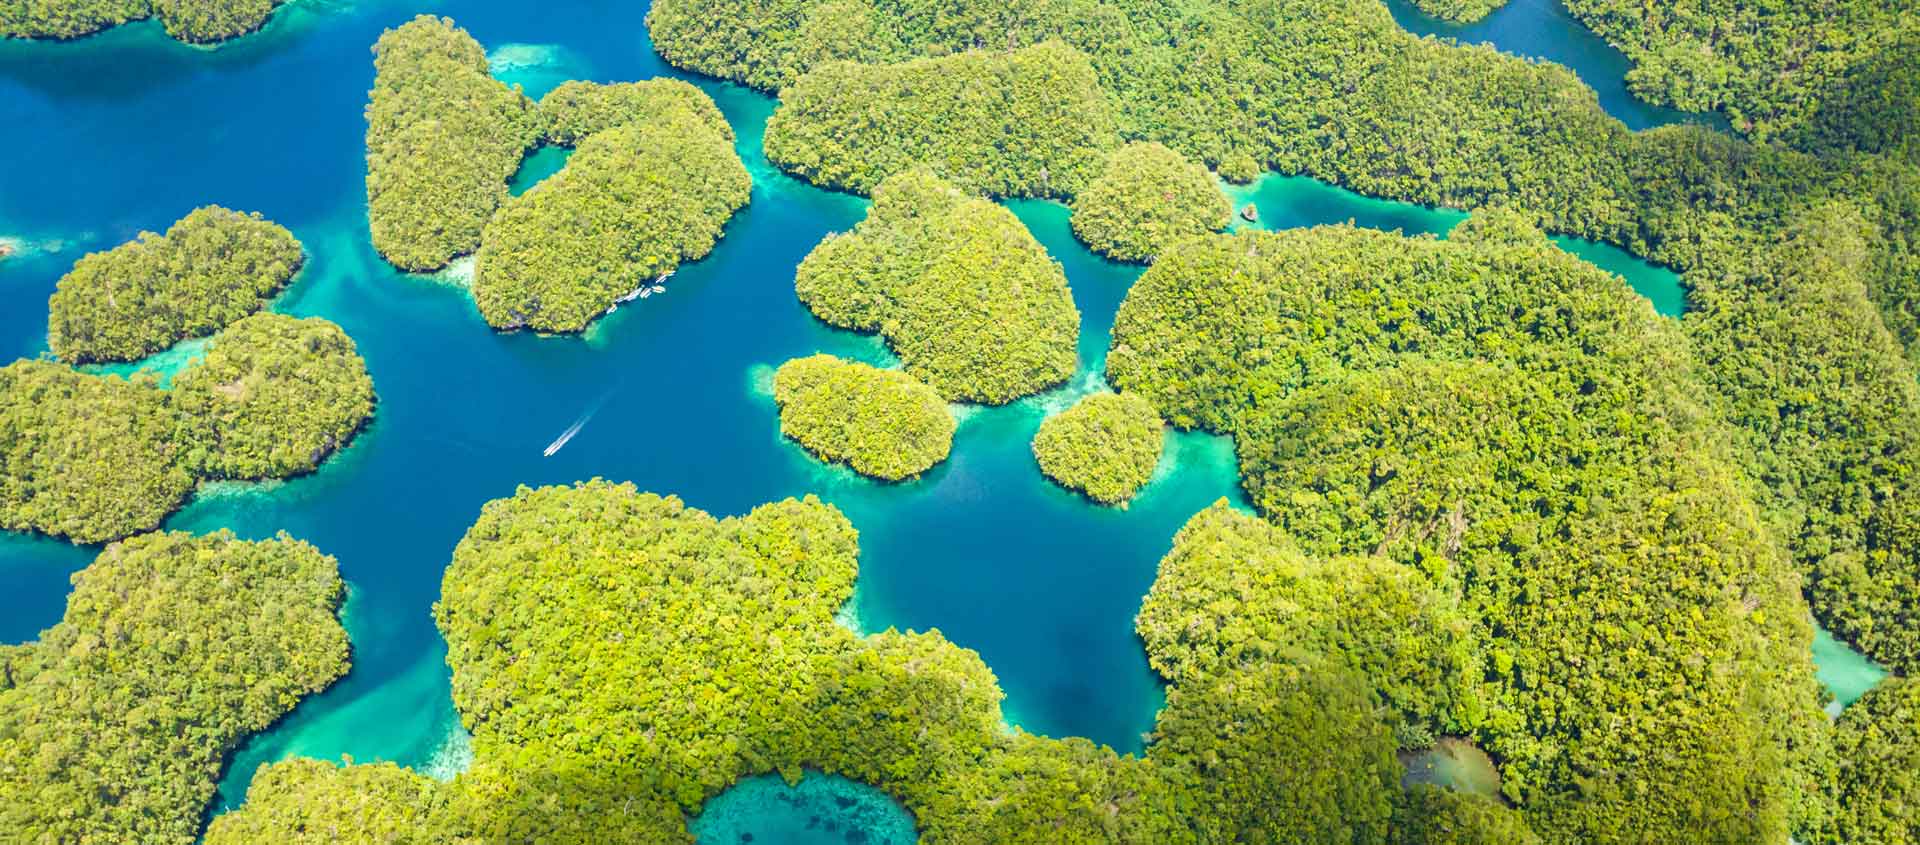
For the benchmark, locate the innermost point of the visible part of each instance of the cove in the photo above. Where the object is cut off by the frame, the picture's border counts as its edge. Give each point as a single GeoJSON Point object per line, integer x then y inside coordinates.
{"type": "Point", "coordinates": [1545, 30]}
{"type": "Point", "coordinates": [820, 809]}
{"type": "Point", "coordinates": [1285, 202]}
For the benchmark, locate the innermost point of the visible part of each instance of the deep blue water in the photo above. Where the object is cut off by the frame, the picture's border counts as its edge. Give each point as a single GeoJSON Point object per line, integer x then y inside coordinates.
{"type": "Point", "coordinates": [129, 130]}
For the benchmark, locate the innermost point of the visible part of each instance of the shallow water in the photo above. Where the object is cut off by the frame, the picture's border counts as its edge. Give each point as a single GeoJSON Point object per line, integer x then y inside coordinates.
{"type": "Point", "coordinates": [129, 130]}
{"type": "Point", "coordinates": [1846, 673]}
{"type": "Point", "coordinates": [1454, 763]}
{"type": "Point", "coordinates": [819, 810]}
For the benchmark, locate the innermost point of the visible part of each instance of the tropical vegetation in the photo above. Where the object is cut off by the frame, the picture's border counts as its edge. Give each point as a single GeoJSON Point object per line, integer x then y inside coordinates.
{"type": "Point", "coordinates": [956, 284]}
{"type": "Point", "coordinates": [116, 723]}
{"type": "Point", "coordinates": [192, 21]}
{"type": "Point", "coordinates": [621, 658]}
{"type": "Point", "coordinates": [443, 138]}
{"type": "Point", "coordinates": [98, 457]}
{"type": "Point", "coordinates": [883, 423]}
{"type": "Point", "coordinates": [211, 268]}
{"type": "Point", "coordinates": [650, 190]}
{"type": "Point", "coordinates": [1105, 446]}
{"type": "Point", "coordinates": [1877, 742]}
{"type": "Point", "coordinates": [1145, 198]}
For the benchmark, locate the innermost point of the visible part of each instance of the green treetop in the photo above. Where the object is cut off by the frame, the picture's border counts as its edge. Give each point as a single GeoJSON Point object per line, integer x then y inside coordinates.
{"type": "Point", "coordinates": [883, 423]}
{"type": "Point", "coordinates": [1105, 446]}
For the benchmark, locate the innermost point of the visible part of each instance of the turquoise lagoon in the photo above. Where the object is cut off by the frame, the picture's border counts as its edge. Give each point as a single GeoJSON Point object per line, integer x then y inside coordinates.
{"type": "Point", "coordinates": [128, 130]}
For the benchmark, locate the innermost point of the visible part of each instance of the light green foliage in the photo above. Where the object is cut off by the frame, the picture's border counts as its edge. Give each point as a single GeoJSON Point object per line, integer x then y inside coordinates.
{"type": "Point", "coordinates": [443, 138]}
{"type": "Point", "coordinates": [883, 423]}
{"type": "Point", "coordinates": [1877, 740]}
{"type": "Point", "coordinates": [1032, 122]}
{"type": "Point", "coordinates": [1147, 196]}
{"type": "Point", "coordinates": [1459, 11]}
{"type": "Point", "coordinates": [278, 393]}
{"type": "Point", "coordinates": [376, 804]}
{"type": "Point", "coordinates": [633, 202]}
{"type": "Point", "coordinates": [97, 458]}
{"type": "Point", "coordinates": [211, 268]}
{"type": "Point", "coordinates": [576, 110]}
{"type": "Point", "coordinates": [192, 21]}
{"type": "Point", "coordinates": [1578, 455]}
{"type": "Point", "coordinates": [89, 457]}
{"type": "Point", "coordinates": [958, 287]}
{"type": "Point", "coordinates": [621, 658]}
{"type": "Point", "coordinates": [116, 723]}
{"type": "Point", "coordinates": [1430, 815]}
{"type": "Point", "coordinates": [1105, 446]}
{"type": "Point", "coordinates": [1768, 64]}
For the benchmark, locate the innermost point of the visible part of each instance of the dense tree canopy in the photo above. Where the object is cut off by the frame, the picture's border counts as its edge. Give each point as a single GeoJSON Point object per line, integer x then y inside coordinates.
{"type": "Point", "coordinates": [192, 21]}
{"type": "Point", "coordinates": [96, 458]}
{"type": "Point", "coordinates": [621, 658]}
{"type": "Point", "coordinates": [1459, 11]}
{"type": "Point", "coordinates": [959, 288]}
{"type": "Point", "coordinates": [1105, 446]}
{"type": "Point", "coordinates": [1877, 742]}
{"type": "Point", "coordinates": [1032, 122]}
{"type": "Point", "coordinates": [443, 138]}
{"type": "Point", "coordinates": [1146, 197]}
{"type": "Point", "coordinates": [650, 190]}
{"type": "Point", "coordinates": [211, 268]}
{"type": "Point", "coordinates": [883, 423]}
{"type": "Point", "coordinates": [115, 724]}
{"type": "Point", "coordinates": [1558, 443]}
{"type": "Point", "coordinates": [278, 394]}
{"type": "Point", "coordinates": [1430, 815]}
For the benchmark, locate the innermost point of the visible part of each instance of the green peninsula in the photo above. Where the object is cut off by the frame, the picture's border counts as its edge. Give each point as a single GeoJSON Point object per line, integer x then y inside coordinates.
{"type": "Point", "coordinates": [211, 268]}
{"type": "Point", "coordinates": [884, 423]}
{"type": "Point", "coordinates": [1147, 197]}
{"type": "Point", "coordinates": [116, 723]}
{"type": "Point", "coordinates": [957, 286]}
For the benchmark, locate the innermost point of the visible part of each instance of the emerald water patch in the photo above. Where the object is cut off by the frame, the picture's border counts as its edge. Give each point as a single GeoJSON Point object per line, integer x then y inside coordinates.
{"type": "Point", "coordinates": [1846, 673]}
{"type": "Point", "coordinates": [821, 809]}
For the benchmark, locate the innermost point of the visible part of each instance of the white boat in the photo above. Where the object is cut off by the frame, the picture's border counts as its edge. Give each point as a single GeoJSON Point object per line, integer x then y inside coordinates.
{"type": "Point", "coordinates": [564, 437]}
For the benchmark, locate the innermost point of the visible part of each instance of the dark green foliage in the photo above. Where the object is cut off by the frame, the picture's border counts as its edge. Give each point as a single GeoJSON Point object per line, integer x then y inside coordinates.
{"type": "Point", "coordinates": [443, 138]}
{"type": "Point", "coordinates": [1105, 446]}
{"type": "Point", "coordinates": [883, 423]}
{"type": "Point", "coordinates": [88, 457]}
{"type": "Point", "coordinates": [192, 21]}
{"type": "Point", "coordinates": [1875, 107]}
{"type": "Point", "coordinates": [1829, 410]}
{"type": "Point", "coordinates": [1146, 197]}
{"type": "Point", "coordinates": [211, 268]}
{"type": "Point", "coordinates": [1877, 740]}
{"type": "Point", "coordinates": [633, 202]}
{"type": "Point", "coordinates": [1768, 64]}
{"type": "Point", "coordinates": [116, 723]}
{"type": "Point", "coordinates": [1430, 815]}
{"type": "Point", "coordinates": [278, 394]}
{"type": "Point", "coordinates": [621, 658]}
{"type": "Point", "coordinates": [1579, 456]}
{"type": "Point", "coordinates": [97, 458]}
{"type": "Point", "coordinates": [1032, 122]}
{"type": "Point", "coordinates": [958, 287]}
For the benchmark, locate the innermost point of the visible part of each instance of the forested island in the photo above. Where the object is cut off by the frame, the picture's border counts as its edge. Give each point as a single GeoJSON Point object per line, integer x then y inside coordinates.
{"type": "Point", "coordinates": [211, 268]}
{"type": "Point", "coordinates": [883, 423]}
{"type": "Point", "coordinates": [192, 21]}
{"type": "Point", "coordinates": [1492, 498]}
{"type": "Point", "coordinates": [653, 180]}
{"type": "Point", "coordinates": [116, 722]}
{"type": "Point", "coordinates": [99, 457]}
{"type": "Point", "coordinates": [957, 286]}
